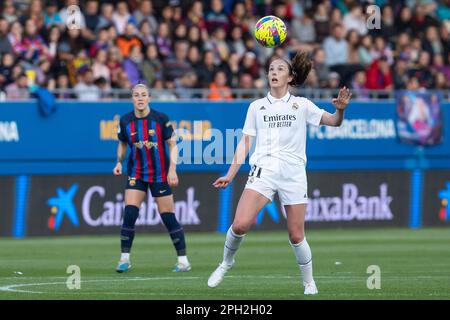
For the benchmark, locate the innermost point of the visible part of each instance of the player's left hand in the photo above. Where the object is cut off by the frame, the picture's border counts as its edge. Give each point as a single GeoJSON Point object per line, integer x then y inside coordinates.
{"type": "Point", "coordinates": [341, 102]}
{"type": "Point", "coordinates": [172, 178]}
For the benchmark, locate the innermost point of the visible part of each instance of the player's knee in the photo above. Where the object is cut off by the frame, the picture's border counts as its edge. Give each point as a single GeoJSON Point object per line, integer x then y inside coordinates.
{"type": "Point", "coordinates": [240, 228]}
{"type": "Point", "coordinates": [296, 237]}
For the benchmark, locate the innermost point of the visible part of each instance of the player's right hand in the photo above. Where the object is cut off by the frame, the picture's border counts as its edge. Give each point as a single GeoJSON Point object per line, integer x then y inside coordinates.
{"type": "Point", "coordinates": [117, 171]}
{"type": "Point", "coordinates": [222, 182]}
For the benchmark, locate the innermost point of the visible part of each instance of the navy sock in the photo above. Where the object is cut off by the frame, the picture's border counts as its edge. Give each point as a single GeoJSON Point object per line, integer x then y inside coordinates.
{"type": "Point", "coordinates": [127, 231]}
{"type": "Point", "coordinates": [175, 231]}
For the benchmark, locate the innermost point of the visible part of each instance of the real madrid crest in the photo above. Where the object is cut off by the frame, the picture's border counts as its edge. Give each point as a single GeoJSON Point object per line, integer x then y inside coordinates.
{"type": "Point", "coordinates": [295, 106]}
{"type": "Point", "coordinates": [251, 179]}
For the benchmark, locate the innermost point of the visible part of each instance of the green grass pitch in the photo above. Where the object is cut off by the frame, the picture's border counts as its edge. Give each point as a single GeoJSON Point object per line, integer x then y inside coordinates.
{"type": "Point", "coordinates": [414, 264]}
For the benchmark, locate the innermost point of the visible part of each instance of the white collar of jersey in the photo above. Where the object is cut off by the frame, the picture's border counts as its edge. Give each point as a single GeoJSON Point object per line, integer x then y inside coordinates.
{"type": "Point", "coordinates": [272, 99]}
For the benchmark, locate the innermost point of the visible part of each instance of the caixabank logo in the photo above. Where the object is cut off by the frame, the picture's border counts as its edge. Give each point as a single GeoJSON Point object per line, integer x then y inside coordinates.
{"type": "Point", "coordinates": [62, 205]}
{"type": "Point", "coordinates": [444, 196]}
{"type": "Point", "coordinates": [92, 207]}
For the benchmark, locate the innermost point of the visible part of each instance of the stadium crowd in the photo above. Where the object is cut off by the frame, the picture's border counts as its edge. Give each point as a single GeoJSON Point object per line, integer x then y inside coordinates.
{"type": "Point", "coordinates": [209, 44]}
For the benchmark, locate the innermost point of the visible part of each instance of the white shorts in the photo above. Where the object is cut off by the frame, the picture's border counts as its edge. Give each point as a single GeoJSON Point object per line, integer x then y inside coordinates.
{"type": "Point", "coordinates": [290, 183]}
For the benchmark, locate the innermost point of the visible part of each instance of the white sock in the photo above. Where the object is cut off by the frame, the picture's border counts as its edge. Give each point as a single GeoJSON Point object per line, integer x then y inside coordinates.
{"type": "Point", "coordinates": [232, 243]}
{"type": "Point", "coordinates": [125, 256]}
{"type": "Point", "coordinates": [304, 259]}
{"type": "Point", "coordinates": [183, 260]}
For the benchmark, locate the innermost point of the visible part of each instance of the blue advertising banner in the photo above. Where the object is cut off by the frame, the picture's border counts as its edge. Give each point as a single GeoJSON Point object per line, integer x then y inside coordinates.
{"type": "Point", "coordinates": [81, 137]}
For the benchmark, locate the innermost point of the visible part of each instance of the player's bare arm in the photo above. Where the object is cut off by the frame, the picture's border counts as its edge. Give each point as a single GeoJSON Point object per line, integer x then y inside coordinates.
{"type": "Point", "coordinates": [340, 103]}
{"type": "Point", "coordinates": [121, 153]}
{"type": "Point", "coordinates": [241, 153]}
{"type": "Point", "coordinates": [172, 177]}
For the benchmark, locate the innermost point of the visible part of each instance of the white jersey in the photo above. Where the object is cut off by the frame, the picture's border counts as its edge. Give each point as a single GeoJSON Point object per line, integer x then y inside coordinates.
{"type": "Point", "coordinates": [280, 129]}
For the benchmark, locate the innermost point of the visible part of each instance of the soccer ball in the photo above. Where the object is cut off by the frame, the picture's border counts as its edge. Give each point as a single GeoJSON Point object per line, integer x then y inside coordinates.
{"type": "Point", "coordinates": [270, 31]}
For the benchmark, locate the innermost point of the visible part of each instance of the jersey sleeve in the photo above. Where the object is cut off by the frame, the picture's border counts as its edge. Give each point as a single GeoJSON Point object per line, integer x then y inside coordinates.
{"type": "Point", "coordinates": [314, 113]}
{"type": "Point", "coordinates": [121, 131]}
{"type": "Point", "coordinates": [166, 128]}
{"type": "Point", "coordinates": [250, 122]}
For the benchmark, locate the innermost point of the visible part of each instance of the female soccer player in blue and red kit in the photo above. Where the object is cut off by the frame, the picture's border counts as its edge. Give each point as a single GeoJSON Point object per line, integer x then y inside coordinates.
{"type": "Point", "coordinates": [148, 133]}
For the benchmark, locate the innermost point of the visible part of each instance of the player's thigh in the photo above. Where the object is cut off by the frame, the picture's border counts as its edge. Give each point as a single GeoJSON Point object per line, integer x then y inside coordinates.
{"type": "Point", "coordinates": [134, 197]}
{"type": "Point", "coordinates": [165, 204]}
{"type": "Point", "coordinates": [296, 221]}
{"type": "Point", "coordinates": [250, 203]}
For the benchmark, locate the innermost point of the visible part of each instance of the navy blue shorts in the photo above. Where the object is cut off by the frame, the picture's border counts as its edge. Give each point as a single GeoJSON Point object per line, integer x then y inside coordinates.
{"type": "Point", "coordinates": [158, 189]}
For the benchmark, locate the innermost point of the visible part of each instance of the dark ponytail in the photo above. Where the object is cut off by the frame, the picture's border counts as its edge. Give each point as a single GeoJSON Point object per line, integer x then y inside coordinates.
{"type": "Point", "coordinates": [299, 68]}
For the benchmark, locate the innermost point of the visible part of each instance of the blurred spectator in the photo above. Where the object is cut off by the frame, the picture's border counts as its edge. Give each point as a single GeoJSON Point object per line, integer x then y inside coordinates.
{"type": "Point", "coordinates": [400, 73]}
{"type": "Point", "coordinates": [133, 66]}
{"type": "Point", "coordinates": [180, 32]}
{"type": "Point", "coordinates": [194, 37]}
{"type": "Point", "coordinates": [334, 80]}
{"type": "Point", "coordinates": [422, 70]}
{"type": "Point", "coordinates": [114, 64]}
{"type": "Point", "coordinates": [52, 16]}
{"type": "Point", "coordinates": [152, 66]}
{"type": "Point", "coordinates": [379, 75]}
{"type": "Point", "coordinates": [219, 45]}
{"type": "Point", "coordinates": [433, 44]}
{"type": "Point", "coordinates": [128, 40]}
{"type": "Point", "coordinates": [62, 85]}
{"type": "Point", "coordinates": [18, 90]}
{"type": "Point", "coordinates": [15, 37]}
{"type": "Point", "coordinates": [218, 90]}
{"type": "Point", "coordinates": [216, 17]}
{"type": "Point", "coordinates": [122, 17]}
{"type": "Point", "coordinates": [380, 49]}
{"type": "Point", "coordinates": [178, 64]}
{"type": "Point", "coordinates": [404, 23]}
{"type": "Point", "coordinates": [359, 85]}
{"type": "Point", "coordinates": [146, 33]}
{"type": "Point", "coordinates": [101, 43]}
{"type": "Point", "coordinates": [35, 13]}
{"type": "Point", "coordinates": [99, 68]}
{"type": "Point", "coordinates": [353, 41]}
{"type": "Point", "coordinates": [6, 69]}
{"type": "Point", "coordinates": [33, 44]}
{"type": "Point", "coordinates": [71, 43]}
{"type": "Point", "coordinates": [194, 58]}
{"type": "Point", "coordinates": [233, 70]}
{"type": "Point", "coordinates": [303, 30]}
{"type": "Point", "coordinates": [321, 68]}
{"type": "Point", "coordinates": [355, 19]}
{"type": "Point", "coordinates": [335, 46]}
{"type": "Point", "coordinates": [85, 89]}
{"type": "Point", "coordinates": [440, 82]}
{"type": "Point", "coordinates": [440, 67]}
{"type": "Point", "coordinates": [238, 17]}
{"type": "Point", "coordinates": [183, 85]}
{"type": "Point", "coordinates": [92, 15]}
{"type": "Point", "coordinates": [9, 11]}
{"type": "Point", "coordinates": [312, 81]}
{"type": "Point", "coordinates": [105, 89]}
{"type": "Point", "coordinates": [106, 17]}
{"type": "Point", "coordinates": [54, 38]}
{"type": "Point", "coordinates": [246, 82]}
{"type": "Point", "coordinates": [5, 45]}
{"type": "Point", "coordinates": [321, 21]}
{"type": "Point", "coordinates": [145, 13]}
{"type": "Point", "coordinates": [250, 65]}
{"type": "Point", "coordinates": [236, 44]}
{"type": "Point", "coordinates": [207, 70]}
{"type": "Point", "coordinates": [163, 40]}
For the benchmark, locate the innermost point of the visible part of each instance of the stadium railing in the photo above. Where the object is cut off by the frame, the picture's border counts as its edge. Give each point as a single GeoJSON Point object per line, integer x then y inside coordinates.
{"type": "Point", "coordinates": [238, 94]}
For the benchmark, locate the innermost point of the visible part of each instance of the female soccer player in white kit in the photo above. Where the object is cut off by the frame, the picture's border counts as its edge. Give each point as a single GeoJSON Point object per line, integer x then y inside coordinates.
{"type": "Point", "coordinates": [278, 121]}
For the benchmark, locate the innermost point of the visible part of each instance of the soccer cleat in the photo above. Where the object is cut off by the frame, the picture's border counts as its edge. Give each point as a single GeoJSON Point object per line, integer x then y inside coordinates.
{"type": "Point", "coordinates": [310, 288]}
{"type": "Point", "coordinates": [123, 266]}
{"type": "Point", "coordinates": [217, 276]}
{"type": "Point", "coordinates": [181, 267]}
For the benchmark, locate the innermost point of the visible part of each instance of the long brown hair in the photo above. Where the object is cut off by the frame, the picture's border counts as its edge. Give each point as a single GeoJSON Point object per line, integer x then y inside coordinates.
{"type": "Point", "coordinates": [299, 67]}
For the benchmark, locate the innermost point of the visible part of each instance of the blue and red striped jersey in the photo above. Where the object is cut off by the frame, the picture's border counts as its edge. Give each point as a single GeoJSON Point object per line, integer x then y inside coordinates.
{"type": "Point", "coordinates": [149, 157]}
